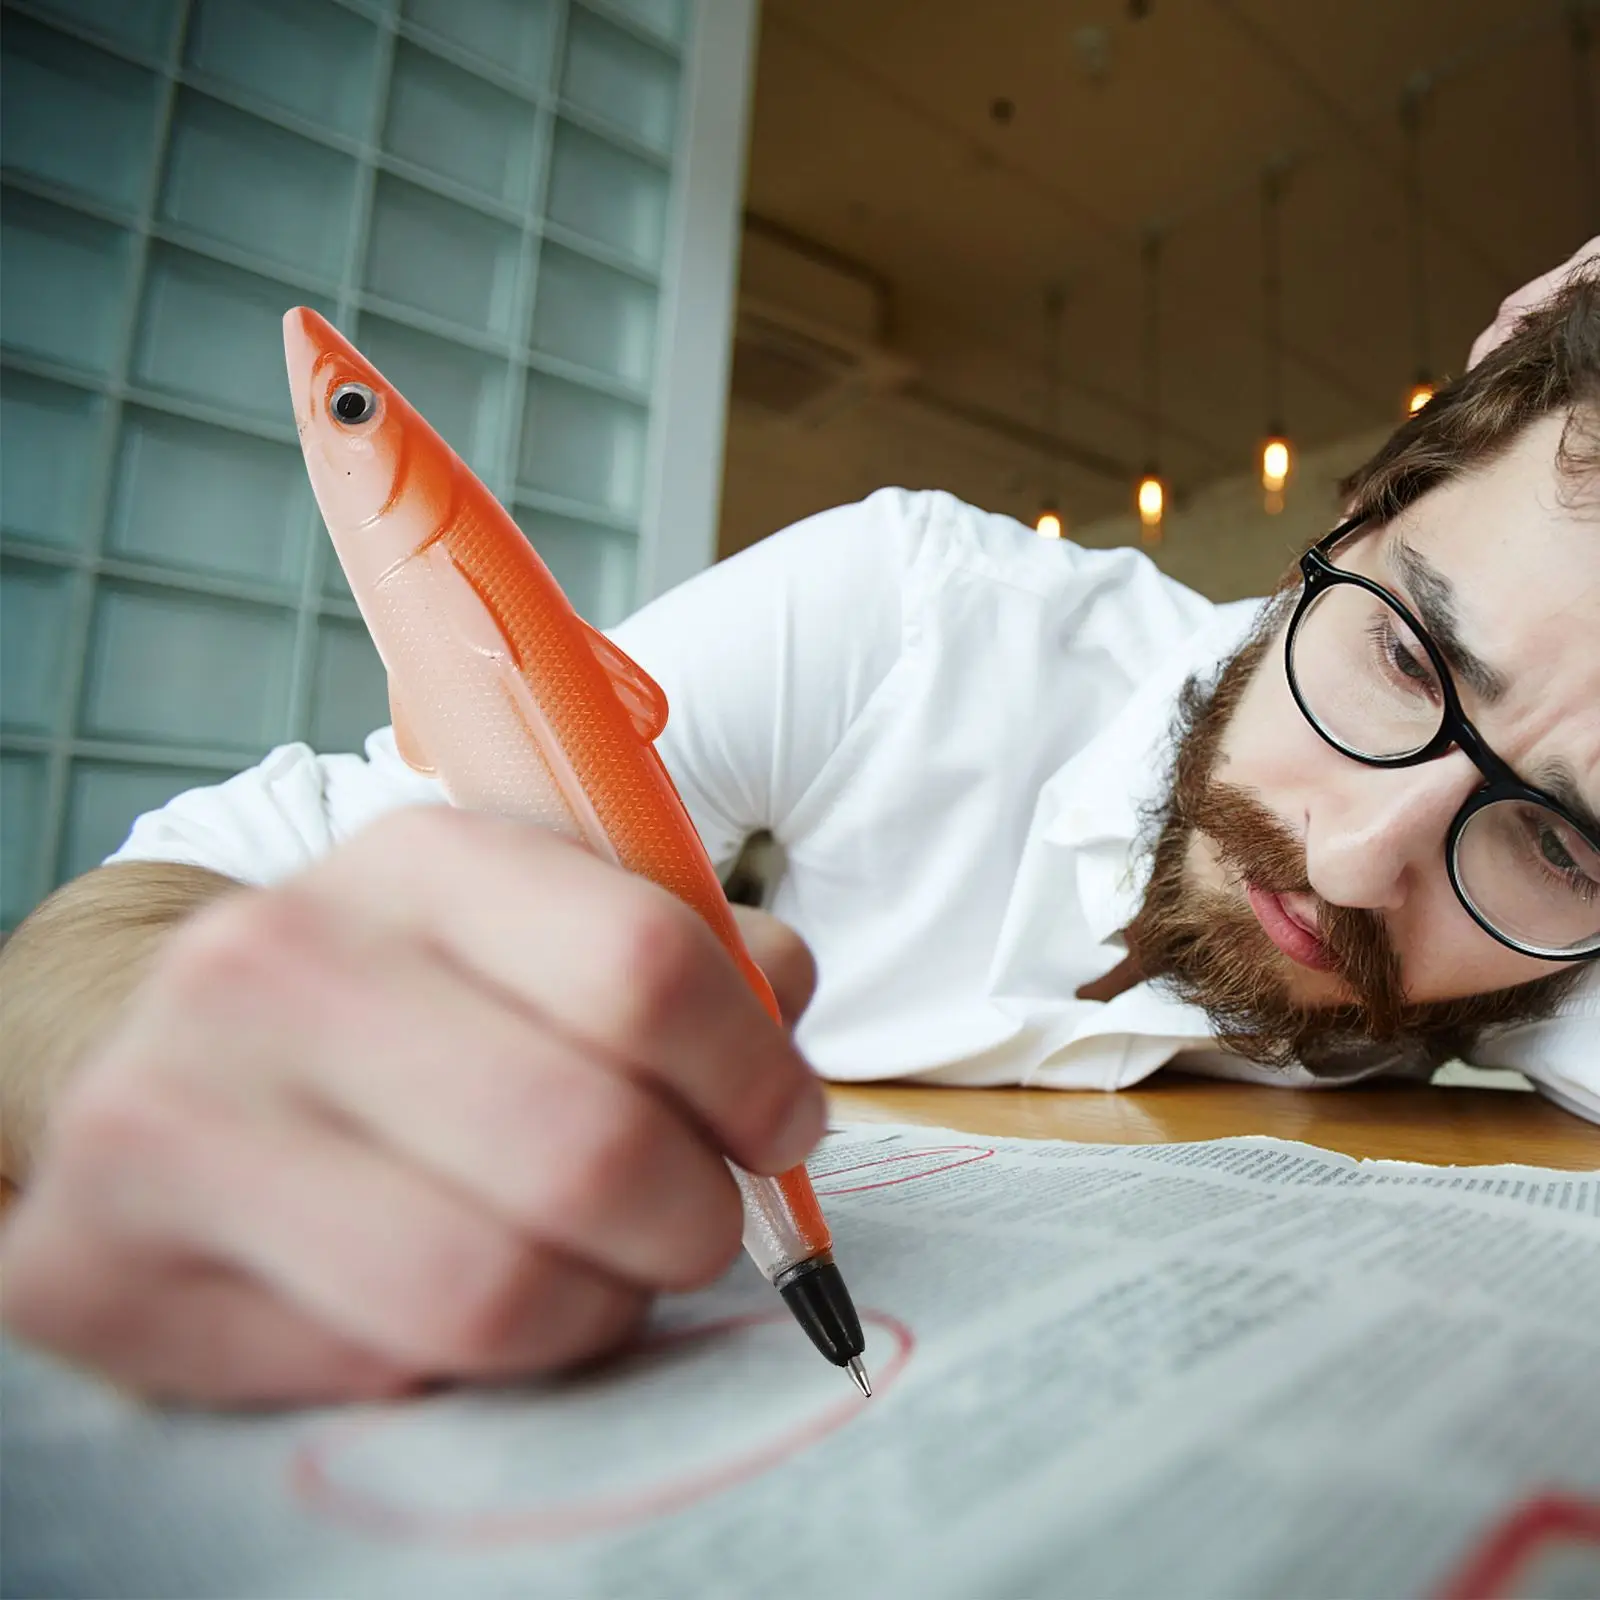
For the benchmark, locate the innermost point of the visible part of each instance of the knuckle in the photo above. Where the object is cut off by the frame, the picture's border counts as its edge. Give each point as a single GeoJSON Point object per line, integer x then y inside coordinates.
{"type": "Point", "coordinates": [116, 1122]}
{"type": "Point", "coordinates": [559, 1145]}
{"type": "Point", "coordinates": [472, 1303]}
{"type": "Point", "coordinates": [513, 1102]}
{"type": "Point", "coordinates": [613, 1163]}
{"type": "Point", "coordinates": [658, 966]}
{"type": "Point", "coordinates": [133, 1144]}
{"type": "Point", "coordinates": [275, 957]}
{"type": "Point", "coordinates": [212, 947]}
{"type": "Point", "coordinates": [244, 941]}
{"type": "Point", "coordinates": [608, 1162]}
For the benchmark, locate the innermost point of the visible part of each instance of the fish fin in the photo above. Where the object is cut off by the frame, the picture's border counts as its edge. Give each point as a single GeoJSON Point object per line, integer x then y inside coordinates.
{"type": "Point", "coordinates": [561, 802]}
{"type": "Point", "coordinates": [643, 697]}
{"type": "Point", "coordinates": [405, 741]}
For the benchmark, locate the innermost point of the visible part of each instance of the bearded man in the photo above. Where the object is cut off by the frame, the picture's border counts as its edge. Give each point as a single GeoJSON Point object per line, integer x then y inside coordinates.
{"type": "Point", "coordinates": [320, 1087]}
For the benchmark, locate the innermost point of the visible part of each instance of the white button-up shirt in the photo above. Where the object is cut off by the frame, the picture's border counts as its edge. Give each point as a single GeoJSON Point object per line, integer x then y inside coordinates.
{"type": "Point", "coordinates": [951, 726]}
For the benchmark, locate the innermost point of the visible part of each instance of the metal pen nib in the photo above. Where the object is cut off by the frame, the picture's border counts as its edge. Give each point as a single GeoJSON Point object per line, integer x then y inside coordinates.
{"type": "Point", "coordinates": [859, 1373]}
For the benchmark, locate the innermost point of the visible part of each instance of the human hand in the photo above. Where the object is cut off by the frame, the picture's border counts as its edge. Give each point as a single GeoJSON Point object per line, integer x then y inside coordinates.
{"type": "Point", "coordinates": [1527, 297]}
{"type": "Point", "coordinates": [452, 1104]}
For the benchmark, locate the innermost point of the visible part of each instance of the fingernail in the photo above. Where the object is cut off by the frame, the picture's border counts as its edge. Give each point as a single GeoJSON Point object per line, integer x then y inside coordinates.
{"type": "Point", "coordinates": [808, 1121]}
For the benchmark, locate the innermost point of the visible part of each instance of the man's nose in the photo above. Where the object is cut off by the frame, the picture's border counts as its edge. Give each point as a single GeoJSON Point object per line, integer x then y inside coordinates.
{"type": "Point", "coordinates": [1367, 843]}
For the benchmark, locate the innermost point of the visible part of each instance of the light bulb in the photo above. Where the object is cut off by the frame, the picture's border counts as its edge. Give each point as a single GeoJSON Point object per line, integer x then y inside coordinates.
{"type": "Point", "coordinates": [1275, 460]}
{"type": "Point", "coordinates": [1050, 525]}
{"type": "Point", "coordinates": [1420, 395]}
{"type": "Point", "coordinates": [1152, 500]}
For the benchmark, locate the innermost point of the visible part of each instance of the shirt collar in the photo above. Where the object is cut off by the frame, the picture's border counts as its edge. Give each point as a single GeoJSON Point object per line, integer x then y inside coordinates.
{"type": "Point", "coordinates": [1080, 852]}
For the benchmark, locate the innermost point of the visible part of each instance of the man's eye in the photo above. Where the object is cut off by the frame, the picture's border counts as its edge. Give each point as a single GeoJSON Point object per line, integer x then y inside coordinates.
{"type": "Point", "coordinates": [1553, 851]}
{"type": "Point", "coordinates": [1407, 663]}
{"type": "Point", "coordinates": [1397, 654]}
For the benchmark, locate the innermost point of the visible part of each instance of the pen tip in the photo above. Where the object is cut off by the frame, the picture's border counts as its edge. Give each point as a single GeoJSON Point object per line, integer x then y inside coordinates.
{"type": "Point", "coordinates": [859, 1373]}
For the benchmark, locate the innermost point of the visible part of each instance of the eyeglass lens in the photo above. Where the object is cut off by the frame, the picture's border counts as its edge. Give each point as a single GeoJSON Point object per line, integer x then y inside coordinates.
{"type": "Point", "coordinates": [1368, 683]}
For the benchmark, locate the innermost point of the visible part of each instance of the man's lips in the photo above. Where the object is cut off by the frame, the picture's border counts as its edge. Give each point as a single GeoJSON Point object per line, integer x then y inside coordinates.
{"type": "Point", "coordinates": [1287, 932]}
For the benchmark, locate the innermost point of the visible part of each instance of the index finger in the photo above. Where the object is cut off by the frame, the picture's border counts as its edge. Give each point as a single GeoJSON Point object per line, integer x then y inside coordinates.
{"type": "Point", "coordinates": [615, 963]}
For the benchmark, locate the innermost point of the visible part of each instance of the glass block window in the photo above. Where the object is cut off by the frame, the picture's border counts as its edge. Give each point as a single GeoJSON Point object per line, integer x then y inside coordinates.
{"type": "Point", "coordinates": [479, 192]}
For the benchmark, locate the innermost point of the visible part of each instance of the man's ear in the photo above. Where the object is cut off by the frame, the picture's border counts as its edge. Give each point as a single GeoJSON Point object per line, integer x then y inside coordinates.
{"type": "Point", "coordinates": [783, 955]}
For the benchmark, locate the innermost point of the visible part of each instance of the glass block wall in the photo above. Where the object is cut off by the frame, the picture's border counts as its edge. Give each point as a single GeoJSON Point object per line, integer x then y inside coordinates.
{"type": "Point", "coordinates": [479, 191]}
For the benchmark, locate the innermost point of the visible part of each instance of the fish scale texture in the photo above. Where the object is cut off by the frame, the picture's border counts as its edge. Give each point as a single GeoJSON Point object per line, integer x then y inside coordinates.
{"type": "Point", "coordinates": [639, 809]}
{"type": "Point", "coordinates": [619, 769]}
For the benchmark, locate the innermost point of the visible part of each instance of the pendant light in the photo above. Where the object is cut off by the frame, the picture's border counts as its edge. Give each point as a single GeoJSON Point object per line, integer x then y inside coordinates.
{"type": "Point", "coordinates": [1413, 104]}
{"type": "Point", "coordinates": [1051, 522]}
{"type": "Point", "coordinates": [1152, 492]}
{"type": "Point", "coordinates": [1581, 34]}
{"type": "Point", "coordinates": [1277, 457]}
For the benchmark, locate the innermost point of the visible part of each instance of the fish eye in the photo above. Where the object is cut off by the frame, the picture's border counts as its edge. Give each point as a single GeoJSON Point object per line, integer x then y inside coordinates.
{"type": "Point", "coordinates": [353, 404]}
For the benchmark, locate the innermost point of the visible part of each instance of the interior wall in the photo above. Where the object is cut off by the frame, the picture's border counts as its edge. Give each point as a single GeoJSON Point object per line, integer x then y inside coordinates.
{"type": "Point", "coordinates": [843, 383]}
{"type": "Point", "coordinates": [779, 471]}
{"type": "Point", "coordinates": [1222, 540]}
{"type": "Point", "coordinates": [1219, 540]}
{"type": "Point", "coordinates": [927, 177]}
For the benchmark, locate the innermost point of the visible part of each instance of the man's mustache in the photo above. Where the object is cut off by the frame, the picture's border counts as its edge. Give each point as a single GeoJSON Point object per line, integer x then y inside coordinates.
{"type": "Point", "coordinates": [1252, 843]}
{"type": "Point", "coordinates": [1210, 950]}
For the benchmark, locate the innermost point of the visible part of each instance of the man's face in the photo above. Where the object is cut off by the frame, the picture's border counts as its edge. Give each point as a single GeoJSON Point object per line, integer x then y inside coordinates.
{"type": "Point", "coordinates": [1303, 896]}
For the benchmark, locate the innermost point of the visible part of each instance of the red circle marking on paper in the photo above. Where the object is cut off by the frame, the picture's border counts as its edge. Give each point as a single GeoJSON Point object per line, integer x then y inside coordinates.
{"type": "Point", "coordinates": [1499, 1563]}
{"type": "Point", "coordinates": [977, 1153]}
{"type": "Point", "coordinates": [313, 1480]}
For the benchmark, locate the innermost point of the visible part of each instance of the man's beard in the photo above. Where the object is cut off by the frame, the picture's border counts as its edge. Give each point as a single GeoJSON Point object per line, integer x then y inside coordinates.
{"type": "Point", "coordinates": [1209, 949]}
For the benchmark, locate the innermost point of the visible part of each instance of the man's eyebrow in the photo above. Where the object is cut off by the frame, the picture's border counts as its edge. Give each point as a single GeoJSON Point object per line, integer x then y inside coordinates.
{"type": "Point", "coordinates": [1435, 599]}
{"type": "Point", "coordinates": [1560, 782]}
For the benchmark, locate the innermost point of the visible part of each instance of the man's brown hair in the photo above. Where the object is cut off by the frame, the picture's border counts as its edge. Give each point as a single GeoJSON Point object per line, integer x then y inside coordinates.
{"type": "Point", "coordinates": [1551, 362]}
{"type": "Point", "coordinates": [1201, 943]}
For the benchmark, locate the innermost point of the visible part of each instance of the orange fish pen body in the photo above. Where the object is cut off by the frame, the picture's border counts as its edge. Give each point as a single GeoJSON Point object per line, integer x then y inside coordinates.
{"type": "Point", "coordinates": [497, 685]}
{"type": "Point", "coordinates": [612, 760]}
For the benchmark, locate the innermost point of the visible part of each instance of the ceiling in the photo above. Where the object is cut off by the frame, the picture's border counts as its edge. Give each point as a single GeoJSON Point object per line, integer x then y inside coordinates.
{"type": "Point", "coordinates": [876, 137]}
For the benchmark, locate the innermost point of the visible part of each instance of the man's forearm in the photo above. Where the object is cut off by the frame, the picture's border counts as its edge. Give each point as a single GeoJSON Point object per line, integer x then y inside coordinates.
{"type": "Point", "coordinates": [66, 972]}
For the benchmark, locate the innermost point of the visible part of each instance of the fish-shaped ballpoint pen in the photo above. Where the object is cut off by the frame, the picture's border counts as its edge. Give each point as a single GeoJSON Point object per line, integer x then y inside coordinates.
{"type": "Point", "coordinates": [501, 690]}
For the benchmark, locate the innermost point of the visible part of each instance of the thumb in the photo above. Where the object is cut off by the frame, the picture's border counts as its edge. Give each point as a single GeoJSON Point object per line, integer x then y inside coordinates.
{"type": "Point", "coordinates": [783, 956]}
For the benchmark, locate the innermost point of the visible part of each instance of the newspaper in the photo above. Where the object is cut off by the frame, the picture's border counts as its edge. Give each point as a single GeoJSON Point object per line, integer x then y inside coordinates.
{"type": "Point", "coordinates": [1243, 1367]}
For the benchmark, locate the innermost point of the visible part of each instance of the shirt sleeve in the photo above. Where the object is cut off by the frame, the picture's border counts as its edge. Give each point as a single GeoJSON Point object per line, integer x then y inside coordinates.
{"type": "Point", "coordinates": [271, 820]}
{"type": "Point", "coordinates": [765, 658]}
{"type": "Point", "coordinates": [1560, 1053]}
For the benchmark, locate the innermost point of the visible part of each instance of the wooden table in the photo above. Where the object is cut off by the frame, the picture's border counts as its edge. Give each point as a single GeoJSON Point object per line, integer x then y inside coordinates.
{"type": "Point", "coordinates": [1399, 1121]}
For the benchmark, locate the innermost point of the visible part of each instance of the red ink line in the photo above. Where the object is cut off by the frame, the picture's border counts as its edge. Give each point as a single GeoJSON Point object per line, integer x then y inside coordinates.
{"type": "Point", "coordinates": [312, 1468]}
{"type": "Point", "coordinates": [1491, 1570]}
{"type": "Point", "coordinates": [979, 1153]}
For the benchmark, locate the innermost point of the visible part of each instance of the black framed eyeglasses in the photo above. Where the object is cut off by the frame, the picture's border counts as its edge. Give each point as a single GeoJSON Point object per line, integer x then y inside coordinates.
{"type": "Point", "coordinates": [1369, 678]}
